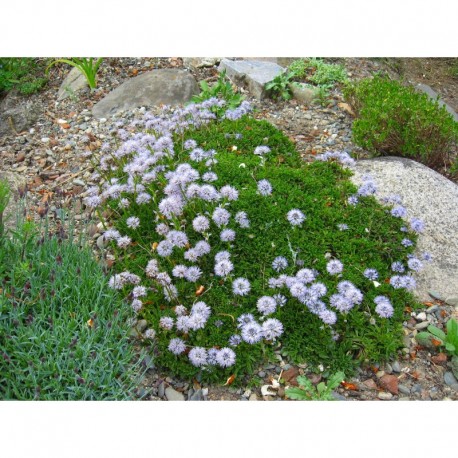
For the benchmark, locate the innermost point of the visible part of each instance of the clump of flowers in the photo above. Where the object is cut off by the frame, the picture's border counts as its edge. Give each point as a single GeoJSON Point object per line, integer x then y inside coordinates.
{"type": "Point", "coordinates": [187, 222]}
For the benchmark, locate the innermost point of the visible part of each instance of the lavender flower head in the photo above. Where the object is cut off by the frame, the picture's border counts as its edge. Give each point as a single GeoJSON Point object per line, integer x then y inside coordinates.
{"type": "Point", "coordinates": [133, 222]}
{"type": "Point", "coordinates": [266, 305]}
{"type": "Point", "coordinates": [224, 268]}
{"type": "Point", "coordinates": [399, 211]}
{"type": "Point", "coordinates": [272, 328]}
{"type": "Point", "coordinates": [221, 217]}
{"type": "Point", "coordinates": [415, 264]}
{"type": "Point", "coordinates": [244, 319]}
{"type": "Point", "coordinates": [198, 356]}
{"type": "Point", "coordinates": [222, 256]}
{"type": "Point", "coordinates": [261, 150]}
{"type": "Point", "coordinates": [201, 224]}
{"type": "Point", "coordinates": [397, 266]}
{"type": "Point", "coordinates": [235, 340]}
{"type": "Point", "coordinates": [177, 346]}
{"type": "Point", "coordinates": [225, 357]}
{"type": "Point", "coordinates": [334, 267]}
{"type": "Point", "coordinates": [227, 235]}
{"type": "Point", "coordinates": [328, 316]}
{"type": "Point", "coordinates": [241, 286]}
{"type": "Point", "coordinates": [383, 307]}
{"type": "Point", "coordinates": [295, 217]}
{"type": "Point", "coordinates": [242, 219]}
{"type": "Point", "coordinates": [279, 263]}
{"type": "Point", "coordinates": [264, 188]}
{"type": "Point", "coordinates": [229, 192]}
{"type": "Point", "coordinates": [417, 225]}
{"type": "Point", "coordinates": [252, 333]}
{"type": "Point", "coordinates": [371, 274]}
{"type": "Point", "coordinates": [193, 274]}
{"type": "Point", "coordinates": [166, 322]}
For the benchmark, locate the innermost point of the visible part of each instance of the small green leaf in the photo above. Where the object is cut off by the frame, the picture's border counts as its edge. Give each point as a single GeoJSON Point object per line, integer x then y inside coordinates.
{"type": "Point", "coordinates": [435, 331]}
{"type": "Point", "coordinates": [450, 347]}
{"type": "Point", "coordinates": [297, 393]}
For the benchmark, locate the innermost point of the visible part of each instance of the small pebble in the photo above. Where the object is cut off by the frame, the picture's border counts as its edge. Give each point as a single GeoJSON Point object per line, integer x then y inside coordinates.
{"type": "Point", "coordinates": [422, 325]}
{"type": "Point", "coordinates": [396, 366]}
{"type": "Point", "coordinates": [403, 389]}
{"type": "Point", "coordinates": [421, 316]}
{"type": "Point", "coordinates": [449, 379]}
{"type": "Point", "coordinates": [385, 396]}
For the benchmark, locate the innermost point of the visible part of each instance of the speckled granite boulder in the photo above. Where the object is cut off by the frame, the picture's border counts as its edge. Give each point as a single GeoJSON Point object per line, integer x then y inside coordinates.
{"type": "Point", "coordinates": [431, 197]}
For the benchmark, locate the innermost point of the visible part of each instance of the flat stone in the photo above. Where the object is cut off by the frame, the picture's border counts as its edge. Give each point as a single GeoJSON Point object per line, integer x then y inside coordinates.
{"type": "Point", "coordinates": [173, 395]}
{"type": "Point", "coordinates": [434, 96]}
{"type": "Point", "coordinates": [161, 390]}
{"type": "Point", "coordinates": [163, 86]}
{"type": "Point", "coordinates": [403, 389]}
{"type": "Point", "coordinates": [390, 383]}
{"type": "Point", "coordinates": [197, 396]}
{"type": "Point", "coordinates": [452, 301]}
{"type": "Point", "coordinates": [370, 384]}
{"type": "Point", "coordinates": [431, 197]}
{"type": "Point", "coordinates": [255, 73]}
{"type": "Point", "coordinates": [422, 325]}
{"type": "Point", "coordinates": [253, 397]}
{"type": "Point", "coordinates": [385, 396]}
{"type": "Point", "coordinates": [74, 82]}
{"type": "Point", "coordinates": [200, 62]}
{"type": "Point", "coordinates": [17, 114]}
{"type": "Point", "coordinates": [303, 92]}
{"type": "Point", "coordinates": [436, 295]}
{"type": "Point", "coordinates": [396, 366]}
{"type": "Point", "coordinates": [338, 397]}
{"type": "Point", "coordinates": [450, 379]}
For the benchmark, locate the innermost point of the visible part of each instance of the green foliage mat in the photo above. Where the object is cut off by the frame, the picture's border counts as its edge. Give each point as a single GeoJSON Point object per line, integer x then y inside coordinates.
{"type": "Point", "coordinates": [320, 190]}
{"type": "Point", "coordinates": [63, 332]}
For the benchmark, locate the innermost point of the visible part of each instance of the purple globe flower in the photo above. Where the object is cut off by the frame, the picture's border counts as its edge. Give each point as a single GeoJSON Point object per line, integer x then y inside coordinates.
{"type": "Point", "coordinates": [334, 267]}
{"type": "Point", "coordinates": [226, 357]}
{"type": "Point", "coordinates": [198, 356]}
{"type": "Point", "coordinates": [177, 346]}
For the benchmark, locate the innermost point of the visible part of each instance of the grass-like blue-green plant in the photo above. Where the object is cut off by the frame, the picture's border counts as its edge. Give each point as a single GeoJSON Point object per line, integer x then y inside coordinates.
{"type": "Point", "coordinates": [63, 332]}
{"type": "Point", "coordinates": [4, 199]}
{"type": "Point", "coordinates": [88, 66]}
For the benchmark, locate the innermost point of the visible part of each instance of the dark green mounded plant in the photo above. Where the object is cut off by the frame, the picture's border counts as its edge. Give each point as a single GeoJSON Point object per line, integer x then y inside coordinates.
{"type": "Point", "coordinates": [88, 66]}
{"type": "Point", "coordinates": [393, 119]}
{"type": "Point", "coordinates": [222, 89]}
{"type": "Point", "coordinates": [63, 332]}
{"type": "Point", "coordinates": [306, 391]}
{"type": "Point", "coordinates": [362, 236]}
{"type": "Point", "coordinates": [21, 73]}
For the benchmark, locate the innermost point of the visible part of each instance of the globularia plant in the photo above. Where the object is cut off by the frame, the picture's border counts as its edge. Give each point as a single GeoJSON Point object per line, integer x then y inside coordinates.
{"type": "Point", "coordinates": [230, 246]}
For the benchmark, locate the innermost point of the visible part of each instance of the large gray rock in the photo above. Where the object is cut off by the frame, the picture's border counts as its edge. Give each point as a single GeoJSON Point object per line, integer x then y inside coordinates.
{"type": "Point", "coordinates": [432, 198]}
{"type": "Point", "coordinates": [163, 86]}
{"type": "Point", "coordinates": [74, 82]}
{"type": "Point", "coordinates": [433, 95]}
{"type": "Point", "coordinates": [17, 114]}
{"type": "Point", "coordinates": [256, 74]}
